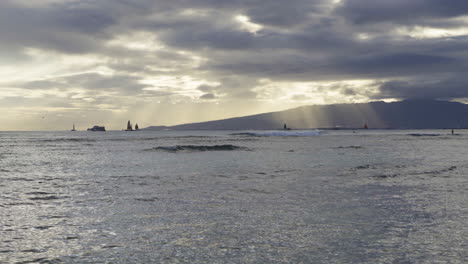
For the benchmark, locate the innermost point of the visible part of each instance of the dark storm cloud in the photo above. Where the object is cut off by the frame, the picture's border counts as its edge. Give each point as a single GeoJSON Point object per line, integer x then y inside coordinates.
{"type": "Point", "coordinates": [449, 88]}
{"type": "Point", "coordinates": [279, 13]}
{"type": "Point", "coordinates": [290, 67]}
{"type": "Point", "coordinates": [401, 11]}
{"type": "Point", "coordinates": [212, 39]}
{"type": "Point", "coordinates": [297, 40]}
{"type": "Point", "coordinates": [83, 26]}
{"type": "Point", "coordinates": [68, 26]}
{"type": "Point", "coordinates": [65, 28]}
{"type": "Point", "coordinates": [395, 64]}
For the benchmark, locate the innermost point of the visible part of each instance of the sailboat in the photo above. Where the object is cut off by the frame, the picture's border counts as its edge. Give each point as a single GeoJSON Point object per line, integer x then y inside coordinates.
{"type": "Point", "coordinates": [136, 127]}
{"type": "Point", "coordinates": [73, 129]}
{"type": "Point", "coordinates": [129, 126]}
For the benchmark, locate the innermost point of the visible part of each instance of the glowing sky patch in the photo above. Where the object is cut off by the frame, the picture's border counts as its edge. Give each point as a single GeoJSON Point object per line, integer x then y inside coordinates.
{"type": "Point", "coordinates": [247, 25]}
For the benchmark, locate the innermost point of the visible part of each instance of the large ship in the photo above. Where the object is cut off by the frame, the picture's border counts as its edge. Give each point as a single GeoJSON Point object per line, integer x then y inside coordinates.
{"type": "Point", "coordinates": [97, 128]}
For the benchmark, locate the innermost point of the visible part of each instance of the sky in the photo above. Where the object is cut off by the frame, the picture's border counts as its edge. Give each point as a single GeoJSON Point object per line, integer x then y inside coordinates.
{"type": "Point", "coordinates": [159, 62]}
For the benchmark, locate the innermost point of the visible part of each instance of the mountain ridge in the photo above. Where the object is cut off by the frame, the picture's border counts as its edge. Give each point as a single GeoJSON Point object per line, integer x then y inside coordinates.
{"type": "Point", "coordinates": [408, 114]}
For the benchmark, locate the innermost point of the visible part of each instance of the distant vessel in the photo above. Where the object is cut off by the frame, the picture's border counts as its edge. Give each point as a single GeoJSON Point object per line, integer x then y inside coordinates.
{"type": "Point", "coordinates": [73, 129]}
{"type": "Point", "coordinates": [129, 126]}
{"type": "Point", "coordinates": [365, 126]}
{"type": "Point", "coordinates": [97, 128]}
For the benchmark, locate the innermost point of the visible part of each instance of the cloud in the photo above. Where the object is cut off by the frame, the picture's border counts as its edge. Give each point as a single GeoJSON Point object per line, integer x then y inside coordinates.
{"type": "Point", "coordinates": [63, 27]}
{"type": "Point", "coordinates": [279, 14]}
{"type": "Point", "coordinates": [401, 11]}
{"type": "Point", "coordinates": [89, 81]}
{"type": "Point", "coordinates": [208, 96]}
{"type": "Point", "coordinates": [450, 88]}
{"type": "Point", "coordinates": [380, 65]}
{"type": "Point", "coordinates": [130, 52]}
{"type": "Point", "coordinates": [206, 88]}
{"type": "Point", "coordinates": [300, 97]}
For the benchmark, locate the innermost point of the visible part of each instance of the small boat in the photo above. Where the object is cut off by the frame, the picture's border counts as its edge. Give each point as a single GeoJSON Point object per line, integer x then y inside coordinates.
{"type": "Point", "coordinates": [97, 128]}
{"type": "Point", "coordinates": [73, 129]}
{"type": "Point", "coordinates": [365, 126]}
{"type": "Point", "coordinates": [136, 127]}
{"type": "Point", "coordinates": [129, 126]}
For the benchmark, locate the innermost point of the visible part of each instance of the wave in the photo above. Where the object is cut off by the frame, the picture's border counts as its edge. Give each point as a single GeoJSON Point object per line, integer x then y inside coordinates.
{"type": "Point", "coordinates": [308, 133]}
{"type": "Point", "coordinates": [165, 137]}
{"type": "Point", "coordinates": [51, 197]}
{"type": "Point", "coordinates": [423, 135]}
{"type": "Point", "coordinates": [349, 147]}
{"type": "Point", "coordinates": [65, 140]}
{"type": "Point", "coordinates": [195, 148]}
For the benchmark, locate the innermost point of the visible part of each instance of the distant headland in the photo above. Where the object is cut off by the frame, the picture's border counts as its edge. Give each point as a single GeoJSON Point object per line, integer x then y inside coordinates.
{"type": "Point", "coordinates": [408, 114]}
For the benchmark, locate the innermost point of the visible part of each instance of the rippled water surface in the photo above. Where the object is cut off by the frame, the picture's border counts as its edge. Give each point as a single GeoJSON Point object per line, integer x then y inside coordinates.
{"type": "Point", "coordinates": [229, 197]}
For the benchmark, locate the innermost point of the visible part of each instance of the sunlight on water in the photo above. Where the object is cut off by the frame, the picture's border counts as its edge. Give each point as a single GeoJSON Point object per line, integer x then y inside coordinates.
{"type": "Point", "coordinates": [250, 197]}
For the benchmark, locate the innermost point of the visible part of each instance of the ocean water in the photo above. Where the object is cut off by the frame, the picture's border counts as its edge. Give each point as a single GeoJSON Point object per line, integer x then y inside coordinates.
{"type": "Point", "coordinates": [234, 197]}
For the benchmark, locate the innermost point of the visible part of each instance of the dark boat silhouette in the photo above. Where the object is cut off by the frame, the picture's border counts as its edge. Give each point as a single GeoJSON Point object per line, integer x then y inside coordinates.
{"type": "Point", "coordinates": [73, 129]}
{"type": "Point", "coordinates": [129, 126]}
{"type": "Point", "coordinates": [97, 128]}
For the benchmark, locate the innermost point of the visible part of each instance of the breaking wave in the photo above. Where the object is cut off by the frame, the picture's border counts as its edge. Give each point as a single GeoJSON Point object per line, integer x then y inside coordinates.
{"type": "Point", "coordinates": [195, 148]}
{"type": "Point", "coordinates": [302, 133]}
